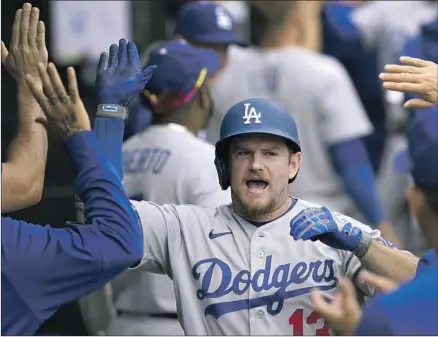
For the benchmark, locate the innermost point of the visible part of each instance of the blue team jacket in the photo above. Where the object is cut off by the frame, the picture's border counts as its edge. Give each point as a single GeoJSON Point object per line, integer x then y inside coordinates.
{"type": "Point", "coordinates": [45, 267]}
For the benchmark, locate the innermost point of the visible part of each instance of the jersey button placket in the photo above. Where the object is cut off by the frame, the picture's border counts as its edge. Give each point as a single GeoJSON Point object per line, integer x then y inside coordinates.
{"type": "Point", "coordinates": [258, 260]}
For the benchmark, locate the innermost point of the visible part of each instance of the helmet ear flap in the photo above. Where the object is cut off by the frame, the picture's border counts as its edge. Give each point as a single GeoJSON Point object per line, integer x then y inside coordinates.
{"type": "Point", "coordinates": [222, 172]}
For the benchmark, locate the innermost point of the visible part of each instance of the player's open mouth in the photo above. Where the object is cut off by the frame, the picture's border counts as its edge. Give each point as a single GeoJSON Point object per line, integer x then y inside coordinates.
{"type": "Point", "coordinates": [256, 186]}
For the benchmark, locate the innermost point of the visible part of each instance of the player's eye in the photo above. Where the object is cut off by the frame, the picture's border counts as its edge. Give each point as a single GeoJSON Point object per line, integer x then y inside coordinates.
{"type": "Point", "coordinates": [243, 153]}
{"type": "Point", "coordinates": [271, 154]}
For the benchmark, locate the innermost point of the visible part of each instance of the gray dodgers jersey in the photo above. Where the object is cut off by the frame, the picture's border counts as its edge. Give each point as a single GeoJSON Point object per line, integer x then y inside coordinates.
{"type": "Point", "coordinates": [233, 278]}
{"type": "Point", "coordinates": [319, 94]}
{"type": "Point", "coordinates": [164, 164]}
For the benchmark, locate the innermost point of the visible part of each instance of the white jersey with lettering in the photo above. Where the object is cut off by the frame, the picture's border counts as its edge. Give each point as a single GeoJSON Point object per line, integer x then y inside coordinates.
{"type": "Point", "coordinates": [164, 164]}
{"type": "Point", "coordinates": [319, 94]}
{"type": "Point", "coordinates": [233, 278]}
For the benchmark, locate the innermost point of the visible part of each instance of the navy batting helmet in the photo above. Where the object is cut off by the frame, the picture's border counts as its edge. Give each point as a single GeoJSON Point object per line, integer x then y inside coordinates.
{"type": "Point", "coordinates": [253, 116]}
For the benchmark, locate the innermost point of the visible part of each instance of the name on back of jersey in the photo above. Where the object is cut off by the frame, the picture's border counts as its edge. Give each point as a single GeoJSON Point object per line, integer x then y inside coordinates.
{"type": "Point", "coordinates": [148, 159]}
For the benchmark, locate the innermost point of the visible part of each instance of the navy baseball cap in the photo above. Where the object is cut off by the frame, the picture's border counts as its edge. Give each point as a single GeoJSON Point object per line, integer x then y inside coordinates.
{"type": "Point", "coordinates": [206, 22]}
{"type": "Point", "coordinates": [181, 70]}
{"type": "Point", "coordinates": [421, 157]}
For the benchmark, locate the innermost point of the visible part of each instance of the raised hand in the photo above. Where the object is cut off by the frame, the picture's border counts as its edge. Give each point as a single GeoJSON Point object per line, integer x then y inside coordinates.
{"type": "Point", "coordinates": [64, 110]}
{"type": "Point", "coordinates": [332, 229]}
{"type": "Point", "coordinates": [414, 76]}
{"type": "Point", "coordinates": [27, 47]}
{"type": "Point", "coordinates": [119, 75]}
{"type": "Point", "coordinates": [343, 313]}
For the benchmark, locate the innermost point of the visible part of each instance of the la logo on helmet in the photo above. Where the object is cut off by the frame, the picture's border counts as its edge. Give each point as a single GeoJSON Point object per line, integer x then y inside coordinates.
{"type": "Point", "coordinates": [251, 114]}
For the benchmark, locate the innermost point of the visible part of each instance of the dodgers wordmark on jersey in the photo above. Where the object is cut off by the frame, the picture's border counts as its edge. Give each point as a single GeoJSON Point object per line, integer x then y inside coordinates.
{"type": "Point", "coordinates": [234, 278]}
{"type": "Point", "coordinates": [317, 91]}
{"type": "Point", "coordinates": [163, 164]}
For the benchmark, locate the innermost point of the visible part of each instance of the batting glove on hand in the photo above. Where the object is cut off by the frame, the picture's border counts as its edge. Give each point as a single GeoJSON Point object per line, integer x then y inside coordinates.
{"type": "Point", "coordinates": [123, 78]}
{"type": "Point", "coordinates": [331, 229]}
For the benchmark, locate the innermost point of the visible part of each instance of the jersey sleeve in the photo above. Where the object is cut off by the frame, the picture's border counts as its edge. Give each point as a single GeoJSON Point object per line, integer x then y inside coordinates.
{"type": "Point", "coordinates": [161, 234]}
{"type": "Point", "coordinates": [353, 264]}
{"type": "Point", "coordinates": [341, 114]}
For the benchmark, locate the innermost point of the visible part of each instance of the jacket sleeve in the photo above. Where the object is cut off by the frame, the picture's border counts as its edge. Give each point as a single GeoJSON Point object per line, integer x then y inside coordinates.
{"type": "Point", "coordinates": [51, 266]}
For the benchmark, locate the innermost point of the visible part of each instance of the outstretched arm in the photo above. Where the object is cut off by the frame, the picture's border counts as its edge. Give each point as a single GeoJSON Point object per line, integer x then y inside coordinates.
{"type": "Point", "coordinates": [23, 172]}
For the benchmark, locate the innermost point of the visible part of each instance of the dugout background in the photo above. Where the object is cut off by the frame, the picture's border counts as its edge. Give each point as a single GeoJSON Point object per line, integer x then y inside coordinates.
{"type": "Point", "coordinates": [150, 19]}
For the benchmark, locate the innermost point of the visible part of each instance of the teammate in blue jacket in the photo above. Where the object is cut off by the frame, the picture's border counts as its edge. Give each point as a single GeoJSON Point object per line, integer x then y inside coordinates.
{"type": "Point", "coordinates": [44, 267]}
{"type": "Point", "coordinates": [412, 309]}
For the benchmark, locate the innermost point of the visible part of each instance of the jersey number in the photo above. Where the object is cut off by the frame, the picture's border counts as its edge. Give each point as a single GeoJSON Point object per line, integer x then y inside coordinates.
{"type": "Point", "coordinates": [297, 322]}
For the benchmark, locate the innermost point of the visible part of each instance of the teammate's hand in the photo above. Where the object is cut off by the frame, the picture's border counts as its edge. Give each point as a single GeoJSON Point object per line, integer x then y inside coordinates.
{"type": "Point", "coordinates": [380, 283]}
{"type": "Point", "coordinates": [65, 112]}
{"type": "Point", "coordinates": [28, 45]}
{"type": "Point", "coordinates": [415, 76]}
{"type": "Point", "coordinates": [328, 227]}
{"type": "Point", "coordinates": [343, 313]}
{"type": "Point", "coordinates": [122, 79]}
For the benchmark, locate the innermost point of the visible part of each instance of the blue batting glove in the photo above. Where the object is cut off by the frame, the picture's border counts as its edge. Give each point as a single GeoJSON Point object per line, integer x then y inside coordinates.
{"type": "Point", "coordinates": [330, 228]}
{"type": "Point", "coordinates": [122, 79]}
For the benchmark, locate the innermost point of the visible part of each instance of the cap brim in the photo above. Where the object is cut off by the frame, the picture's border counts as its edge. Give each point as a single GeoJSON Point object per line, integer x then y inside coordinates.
{"type": "Point", "coordinates": [219, 39]}
{"type": "Point", "coordinates": [401, 162]}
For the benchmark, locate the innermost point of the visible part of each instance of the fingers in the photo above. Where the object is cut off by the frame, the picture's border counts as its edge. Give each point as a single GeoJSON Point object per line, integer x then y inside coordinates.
{"type": "Point", "coordinates": [56, 81]}
{"type": "Point", "coordinates": [5, 52]}
{"type": "Point", "coordinates": [400, 77]}
{"type": "Point", "coordinates": [123, 53]}
{"type": "Point", "coordinates": [320, 304]}
{"type": "Point", "coordinates": [73, 90]}
{"type": "Point", "coordinates": [396, 69]}
{"type": "Point", "coordinates": [403, 87]}
{"type": "Point", "coordinates": [349, 300]}
{"type": "Point", "coordinates": [37, 92]}
{"type": "Point", "coordinates": [102, 63]}
{"type": "Point", "coordinates": [41, 36]}
{"type": "Point", "coordinates": [412, 61]}
{"type": "Point", "coordinates": [48, 87]}
{"type": "Point", "coordinates": [15, 36]}
{"type": "Point", "coordinates": [133, 55]}
{"type": "Point", "coordinates": [24, 25]}
{"type": "Point", "coordinates": [417, 103]}
{"type": "Point", "coordinates": [113, 54]}
{"type": "Point", "coordinates": [382, 284]}
{"type": "Point", "coordinates": [33, 27]}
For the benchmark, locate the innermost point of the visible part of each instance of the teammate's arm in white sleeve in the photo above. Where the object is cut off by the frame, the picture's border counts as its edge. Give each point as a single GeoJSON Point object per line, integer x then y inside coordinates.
{"type": "Point", "coordinates": [161, 235]}
{"type": "Point", "coordinates": [382, 259]}
{"type": "Point", "coordinates": [342, 114]}
{"type": "Point", "coordinates": [369, 20]}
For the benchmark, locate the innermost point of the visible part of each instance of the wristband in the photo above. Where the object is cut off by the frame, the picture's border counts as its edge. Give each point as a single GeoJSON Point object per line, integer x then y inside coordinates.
{"type": "Point", "coordinates": [112, 110]}
{"type": "Point", "coordinates": [364, 245]}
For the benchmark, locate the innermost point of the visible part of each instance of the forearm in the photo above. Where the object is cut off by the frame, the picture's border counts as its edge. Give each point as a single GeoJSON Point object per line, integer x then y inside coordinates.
{"type": "Point", "coordinates": [395, 264]}
{"type": "Point", "coordinates": [354, 169]}
{"type": "Point", "coordinates": [109, 128]}
{"type": "Point", "coordinates": [23, 173]}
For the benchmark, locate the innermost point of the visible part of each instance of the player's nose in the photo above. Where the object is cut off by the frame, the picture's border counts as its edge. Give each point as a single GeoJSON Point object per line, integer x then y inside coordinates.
{"type": "Point", "coordinates": [256, 163]}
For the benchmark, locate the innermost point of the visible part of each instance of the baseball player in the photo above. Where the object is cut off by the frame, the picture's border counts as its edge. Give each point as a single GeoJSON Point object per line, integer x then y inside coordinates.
{"type": "Point", "coordinates": [207, 24]}
{"type": "Point", "coordinates": [411, 309]}
{"type": "Point", "coordinates": [180, 101]}
{"type": "Point", "coordinates": [119, 79]}
{"type": "Point", "coordinates": [23, 173]}
{"type": "Point", "coordinates": [317, 91]}
{"type": "Point", "coordinates": [247, 268]}
{"type": "Point", "coordinates": [44, 267]}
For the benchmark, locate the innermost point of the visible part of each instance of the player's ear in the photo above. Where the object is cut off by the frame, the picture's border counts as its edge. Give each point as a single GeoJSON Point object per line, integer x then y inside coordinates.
{"type": "Point", "coordinates": [204, 97]}
{"type": "Point", "coordinates": [294, 163]}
